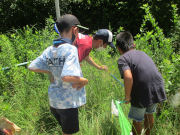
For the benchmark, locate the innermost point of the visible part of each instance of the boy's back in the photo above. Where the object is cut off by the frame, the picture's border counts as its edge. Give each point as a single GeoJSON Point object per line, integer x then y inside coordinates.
{"type": "Point", "coordinates": [67, 92]}
{"type": "Point", "coordinates": [144, 86]}
{"type": "Point", "coordinates": [62, 61]}
{"type": "Point", "coordinates": [148, 85]}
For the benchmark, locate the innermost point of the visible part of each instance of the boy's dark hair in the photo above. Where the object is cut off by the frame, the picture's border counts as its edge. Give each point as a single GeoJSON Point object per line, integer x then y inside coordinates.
{"type": "Point", "coordinates": [125, 41]}
{"type": "Point", "coordinates": [96, 38]}
{"type": "Point", "coordinates": [65, 29]}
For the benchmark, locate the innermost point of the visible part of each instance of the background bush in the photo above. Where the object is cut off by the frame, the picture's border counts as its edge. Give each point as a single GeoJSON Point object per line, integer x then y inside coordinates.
{"type": "Point", "coordinates": [161, 49]}
{"type": "Point", "coordinates": [94, 14]}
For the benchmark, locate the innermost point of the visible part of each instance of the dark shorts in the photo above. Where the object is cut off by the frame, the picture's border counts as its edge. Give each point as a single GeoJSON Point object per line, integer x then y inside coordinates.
{"type": "Point", "coordinates": [67, 118]}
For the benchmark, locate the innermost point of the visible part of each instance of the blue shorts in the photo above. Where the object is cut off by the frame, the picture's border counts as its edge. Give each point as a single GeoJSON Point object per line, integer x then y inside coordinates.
{"type": "Point", "coordinates": [67, 119]}
{"type": "Point", "coordinates": [137, 114]}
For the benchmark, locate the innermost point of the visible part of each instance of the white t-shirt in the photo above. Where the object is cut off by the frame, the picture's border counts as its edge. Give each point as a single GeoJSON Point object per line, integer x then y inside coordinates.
{"type": "Point", "coordinates": [61, 61]}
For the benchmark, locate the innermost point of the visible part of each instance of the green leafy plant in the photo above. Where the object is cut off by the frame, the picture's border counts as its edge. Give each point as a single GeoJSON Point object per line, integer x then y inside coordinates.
{"type": "Point", "coordinates": [160, 49]}
{"type": "Point", "coordinates": [175, 30]}
{"type": "Point", "coordinates": [24, 94]}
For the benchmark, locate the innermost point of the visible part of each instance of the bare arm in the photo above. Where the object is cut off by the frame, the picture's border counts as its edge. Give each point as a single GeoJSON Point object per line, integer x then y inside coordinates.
{"type": "Point", "coordinates": [128, 82]}
{"type": "Point", "coordinates": [39, 70]}
{"type": "Point", "coordinates": [79, 82]}
{"type": "Point", "coordinates": [91, 62]}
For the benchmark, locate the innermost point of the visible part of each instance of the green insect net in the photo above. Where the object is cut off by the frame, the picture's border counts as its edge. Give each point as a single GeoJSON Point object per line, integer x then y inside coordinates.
{"type": "Point", "coordinates": [124, 123]}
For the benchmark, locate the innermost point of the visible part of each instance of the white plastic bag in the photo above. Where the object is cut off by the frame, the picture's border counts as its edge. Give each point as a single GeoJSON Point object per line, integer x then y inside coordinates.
{"type": "Point", "coordinates": [114, 110]}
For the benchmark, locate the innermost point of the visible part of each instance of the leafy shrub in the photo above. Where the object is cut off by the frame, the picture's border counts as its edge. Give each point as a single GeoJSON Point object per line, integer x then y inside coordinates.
{"type": "Point", "coordinates": [175, 30]}
{"type": "Point", "coordinates": [29, 42]}
{"type": "Point", "coordinates": [154, 43]}
{"type": "Point", "coordinates": [20, 47]}
{"type": "Point", "coordinates": [160, 49]}
{"type": "Point", "coordinates": [171, 73]}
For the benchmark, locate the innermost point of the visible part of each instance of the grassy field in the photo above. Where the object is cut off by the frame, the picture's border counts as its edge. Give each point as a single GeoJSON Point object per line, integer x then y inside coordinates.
{"type": "Point", "coordinates": [24, 94]}
{"type": "Point", "coordinates": [26, 103]}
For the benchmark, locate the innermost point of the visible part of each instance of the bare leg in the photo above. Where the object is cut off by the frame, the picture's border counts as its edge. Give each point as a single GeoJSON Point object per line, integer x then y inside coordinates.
{"type": "Point", "coordinates": [137, 127]}
{"type": "Point", "coordinates": [148, 123]}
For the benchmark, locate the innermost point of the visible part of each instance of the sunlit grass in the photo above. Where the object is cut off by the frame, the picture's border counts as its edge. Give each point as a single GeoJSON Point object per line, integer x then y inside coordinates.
{"type": "Point", "coordinates": [24, 95]}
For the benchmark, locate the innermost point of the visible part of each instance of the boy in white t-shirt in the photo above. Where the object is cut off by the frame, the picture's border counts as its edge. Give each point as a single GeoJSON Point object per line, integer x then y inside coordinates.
{"type": "Point", "coordinates": [67, 92]}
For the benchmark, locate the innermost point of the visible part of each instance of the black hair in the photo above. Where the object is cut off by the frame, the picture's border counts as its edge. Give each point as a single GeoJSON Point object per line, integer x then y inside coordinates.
{"type": "Point", "coordinates": [65, 29]}
{"type": "Point", "coordinates": [96, 38]}
{"type": "Point", "coordinates": [125, 41]}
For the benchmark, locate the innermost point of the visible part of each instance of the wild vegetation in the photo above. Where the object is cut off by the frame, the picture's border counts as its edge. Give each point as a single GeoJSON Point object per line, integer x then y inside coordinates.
{"type": "Point", "coordinates": [24, 95]}
{"type": "Point", "coordinates": [95, 14]}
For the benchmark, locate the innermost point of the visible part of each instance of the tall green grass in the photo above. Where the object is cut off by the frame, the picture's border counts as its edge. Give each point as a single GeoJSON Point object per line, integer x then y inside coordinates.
{"type": "Point", "coordinates": [24, 94]}
{"type": "Point", "coordinates": [26, 104]}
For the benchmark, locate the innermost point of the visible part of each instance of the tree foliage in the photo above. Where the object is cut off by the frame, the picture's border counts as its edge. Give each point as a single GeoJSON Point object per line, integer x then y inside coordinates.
{"type": "Point", "coordinates": [19, 13]}
{"type": "Point", "coordinates": [94, 14]}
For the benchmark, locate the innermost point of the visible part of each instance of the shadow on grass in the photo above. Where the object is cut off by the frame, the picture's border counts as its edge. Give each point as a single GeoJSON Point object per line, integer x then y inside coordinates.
{"type": "Point", "coordinates": [109, 128]}
{"type": "Point", "coordinates": [47, 124]}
